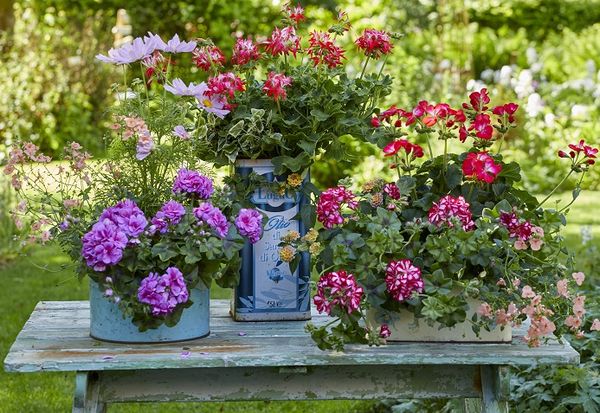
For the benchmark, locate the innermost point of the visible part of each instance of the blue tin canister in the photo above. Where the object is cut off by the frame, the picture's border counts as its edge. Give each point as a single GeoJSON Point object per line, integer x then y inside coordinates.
{"type": "Point", "coordinates": [268, 290]}
{"type": "Point", "coordinates": [108, 324]}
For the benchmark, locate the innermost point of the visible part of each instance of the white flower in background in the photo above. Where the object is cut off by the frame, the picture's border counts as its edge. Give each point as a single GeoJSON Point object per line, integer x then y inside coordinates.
{"type": "Point", "coordinates": [445, 64]}
{"type": "Point", "coordinates": [532, 55]}
{"type": "Point", "coordinates": [534, 106]}
{"type": "Point", "coordinates": [590, 65]}
{"type": "Point", "coordinates": [488, 75]}
{"type": "Point", "coordinates": [473, 85]}
{"type": "Point", "coordinates": [537, 67]}
{"type": "Point", "coordinates": [580, 111]}
{"type": "Point", "coordinates": [550, 119]}
{"type": "Point", "coordinates": [505, 75]}
{"type": "Point", "coordinates": [586, 234]}
{"type": "Point", "coordinates": [524, 85]}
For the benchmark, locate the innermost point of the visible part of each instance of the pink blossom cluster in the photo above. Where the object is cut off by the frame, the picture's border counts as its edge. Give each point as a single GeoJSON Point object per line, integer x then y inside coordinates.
{"type": "Point", "coordinates": [190, 182]}
{"type": "Point", "coordinates": [283, 42]}
{"type": "Point", "coordinates": [295, 13]}
{"type": "Point", "coordinates": [212, 216]}
{"type": "Point", "coordinates": [394, 147]}
{"type": "Point", "coordinates": [582, 156]}
{"type": "Point", "coordinates": [392, 190]}
{"type": "Point", "coordinates": [163, 292]}
{"type": "Point", "coordinates": [249, 224]}
{"type": "Point", "coordinates": [403, 279]}
{"type": "Point", "coordinates": [538, 315]}
{"type": "Point", "coordinates": [76, 157]}
{"type": "Point", "coordinates": [205, 57]}
{"type": "Point", "coordinates": [244, 52]}
{"type": "Point", "coordinates": [19, 155]}
{"type": "Point", "coordinates": [130, 126]}
{"type": "Point", "coordinates": [275, 85]}
{"type": "Point", "coordinates": [449, 207]}
{"type": "Point", "coordinates": [330, 204]}
{"type": "Point", "coordinates": [128, 217]}
{"type": "Point", "coordinates": [375, 43]}
{"type": "Point", "coordinates": [384, 331]}
{"type": "Point", "coordinates": [224, 85]}
{"type": "Point", "coordinates": [322, 50]}
{"type": "Point", "coordinates": [479, 166]}
{"type": "Point", "coordinates": [168, 216]}
{"type": "Point", "coordinates": [523, 231]}
{"type": "Point", "coordinates": [338, 289]}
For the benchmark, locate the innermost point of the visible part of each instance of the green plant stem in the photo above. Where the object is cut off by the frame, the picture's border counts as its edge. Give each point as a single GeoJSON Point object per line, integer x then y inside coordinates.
{"type": "Point", "coordinates": [125, 80]}
{"type": "Point", "coordinates": [470, 192]}
{"type": "Point", "coordinates": [501, 141]}
{"type": "Point", "coordinates": [429, 146]}
{"type": "Point", "coordinates": [362, 73]}
{"type": "Point", "coordinates": [445, 158]}
{"type": "Point", "coordinates": [555, 188]}
{"type": "Point", "coordinates": [144, 82]}
{"type": "Point", "coordinates": [382, 66]}
{"type": "Point", "coordinates": [573, 199]}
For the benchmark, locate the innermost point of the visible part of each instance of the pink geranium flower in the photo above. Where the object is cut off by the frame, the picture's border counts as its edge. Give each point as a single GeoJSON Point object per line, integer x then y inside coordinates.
{"type": "Point", "coordinates": [275, 85]}
{"type": "Point", "coordinates": [283, 42]}
{"type": "Point", "coordinates": [480, 166]}
{"type": "Point", "coordinates": [375, 43]}
{"type": "Point", "coordinates": [244, 51]}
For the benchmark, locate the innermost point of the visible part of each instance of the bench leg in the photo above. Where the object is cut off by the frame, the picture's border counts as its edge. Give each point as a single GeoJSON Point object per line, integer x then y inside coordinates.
{"type": "Point", "coordinates": [494, 389]}
{"type": "Point", "coordinates": [86, 399]}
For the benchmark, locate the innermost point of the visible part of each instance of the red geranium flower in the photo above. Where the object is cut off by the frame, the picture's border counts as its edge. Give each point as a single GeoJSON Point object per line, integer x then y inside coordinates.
{"type": "Point", "coordinates": [394, 147]}
{"type": "Point", "coordinates": [244, 52]}
{"type": "Point", "coordinates": [478, 100]}
{"type": "Point", "coordinates": [275, 85]}
{"type": "Point", "coordinates": [296, 13]}
{"type": "Point", "coordinates": [283, 41]}
{"type": "Point", "coordinates": [224, 84]}
{"type": "Point", "coordinates": [481, 167]}
{"type": "Point", "coordinates": [507, 109]}
{"type": "Point", "coordinates": [375, 43]}
{"type": "Point", "coordinates": [323, 50]}
{"type": "Point", "coordinates": [482, 126]}
{"type": "Point", "coordinates": [208, 56]}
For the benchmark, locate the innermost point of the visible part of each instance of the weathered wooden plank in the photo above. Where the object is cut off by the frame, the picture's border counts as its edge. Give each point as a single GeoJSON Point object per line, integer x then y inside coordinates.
{"type": "Point", "coordinates": [318, 383]}
{"type": "Point", "coordinates": [56, 338]}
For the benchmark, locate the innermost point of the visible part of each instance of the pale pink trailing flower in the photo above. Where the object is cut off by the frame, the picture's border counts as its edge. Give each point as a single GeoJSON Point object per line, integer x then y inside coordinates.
{"type": "Point", "coordinates": [484, 310]}
{"type": "Point", "coordinates": [579, 277]}
{"type": "Point", "coordinates": [71, 203]}
{"type": "Point", "coordinates": [562, 288]}
{"type": "Point", "coordinates": [578, 306]}
{"type": "Point", "coordinates": [573, 322]}
{"type": "Point", "coordinates": [595, 325]}
{"type": "Point", "coordinates": [505, 317]}
{"type": "Point", "coordinates": [520, 245]}
{"type": "Point", "coordinates": [527, 292]}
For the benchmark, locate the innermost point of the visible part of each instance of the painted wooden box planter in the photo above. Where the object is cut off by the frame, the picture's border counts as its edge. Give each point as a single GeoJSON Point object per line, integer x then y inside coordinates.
{"type": "Point", "coordinates": [107, 322]}
{"type": "Point", "coordinates": [405, 327]}
{"type": "Point", "coordinates": [268, 290]}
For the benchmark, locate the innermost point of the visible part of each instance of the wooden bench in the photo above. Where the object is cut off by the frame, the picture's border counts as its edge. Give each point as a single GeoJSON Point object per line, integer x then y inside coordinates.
{"type": "Point", "coordinates": [265, 361]}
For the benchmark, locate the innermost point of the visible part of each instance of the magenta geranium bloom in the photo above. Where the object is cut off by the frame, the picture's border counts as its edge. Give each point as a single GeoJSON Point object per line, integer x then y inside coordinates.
{"type": "Point", "coordinates": [163, 292]}
{"type": "Point", "coordinates": [249, 224]}
{"type": "Point", "coordinates": [193, 183]}
{"type": "Point", "coordinates": [103, 245]}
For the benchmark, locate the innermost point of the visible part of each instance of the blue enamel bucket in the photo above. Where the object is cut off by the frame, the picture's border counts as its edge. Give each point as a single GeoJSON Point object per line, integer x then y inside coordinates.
{"type": "Point", "coordinates": [108, 324]}
{"type": "Point", "coordinates": [268, 290]}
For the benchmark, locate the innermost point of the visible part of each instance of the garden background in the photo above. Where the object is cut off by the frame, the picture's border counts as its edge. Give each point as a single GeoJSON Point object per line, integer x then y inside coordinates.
{"type": "Point", "coordinates": [542, 54]}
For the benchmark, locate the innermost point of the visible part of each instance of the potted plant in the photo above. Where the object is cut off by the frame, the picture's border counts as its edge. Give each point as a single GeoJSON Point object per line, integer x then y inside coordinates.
{"type": "Point", "coordinates": [453, 249]}
{"type": "Point", "coordinates": [268, 113]}
{"type": "Point", "coordinates": [147, 225]}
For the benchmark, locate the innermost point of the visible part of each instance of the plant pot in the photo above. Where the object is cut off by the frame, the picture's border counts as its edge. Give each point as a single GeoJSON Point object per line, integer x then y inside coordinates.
{"type": "Point", "coordinates": [107, 322]}
{"type": "Point", "coordinates": [404, 327]}
{"type": "Point", "coordinates": [268, 290]}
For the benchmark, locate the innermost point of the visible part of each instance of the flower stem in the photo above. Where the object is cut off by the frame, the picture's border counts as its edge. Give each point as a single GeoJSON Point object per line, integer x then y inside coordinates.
{"type": "Point", "coordinates": [573, 199]}
{"type": "Point", "coordinates": [501, 141]}
{"type": "Point", "coordinates": [382, 66]}
{"type": "Point", "coordinates": [555, 188]}
{"type": "Point", "coordinates": [445, 157]}
{"type": "Point", "coordinates": [429, 146]}
{"type": "Point", "coordinates": [144, 82]}
{"type": "Point", "coordinates": [364, 68]}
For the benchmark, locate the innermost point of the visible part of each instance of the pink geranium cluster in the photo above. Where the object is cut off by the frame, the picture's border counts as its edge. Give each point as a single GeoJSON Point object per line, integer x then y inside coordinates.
{"type": "Point", "coordinates": [249, 224]}
{"type": "Point", "coordinates": [169, 215]}
{"type": "Point", "coordinates": [338, 289]}
{"type": "Point", "coordinates": [523, 231]}
{"type": "Point", "coordinates": [207, 57]}
{"type": "Point", "coordinates": [538, 315]}
{"type": "Point", "coordinates": [190, 182]}
{"type": "Point", "coordinates": [275, 85]}
{"type": "Point", "coordinates": [480, 166]}
{"type": "Point", "coordinates": [375, 43]}
{"type": "Point", "coordinates": [330, 205]}
{"type": "Point", "coordinates": [212, 216]}
{"type": "Point", "coordinates": [244, 52]}
{"type": "Point", "coordinates": [163, 292]}
{"type": "Point", "coordinates": [403, 279]}
{"type": "Point", "coordinates": [117, 226]}
{"type": "Point", "coordinates": [323, 50]}
{"type": "Point", "coordinates": [448, 208]}
{"type": "Point", "coordinates": [283, 42]}
{"type": "Point", "coordinates": [412, 149]}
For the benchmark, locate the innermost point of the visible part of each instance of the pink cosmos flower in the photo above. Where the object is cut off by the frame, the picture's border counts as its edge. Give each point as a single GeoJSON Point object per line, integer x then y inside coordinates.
{"type": "Point", "coordinates": [283, 41]}
{"type": "Point", "coordinates": [338, 289]}
{"type": "Point", "coordinates": [403, 279]}
{"type": "Point", "coordinates": [179, 88]}
{"type": "Point", "coordinates": [322, 50]}
{"type": "Point", "coordinates": [448, 207]}
{"type": "Point", "coordinates": [275, 85]}
{"type": "Point", "coordinates": [579, 277]}
{"type": "Point", "coordinates": [174, 45]}
{"type": "Point", "coordinates": [244, 52]}
{"type": "Point", "coordinates": [206, 57]}
{"type": "Point", "coordinates": [137, 50]}
{"type": "Point", "coordinates": [480, 166]}
{"type": "Point", "coordinates": [215, 104]}
{"type": "Point", "coordinates": [375, 43]}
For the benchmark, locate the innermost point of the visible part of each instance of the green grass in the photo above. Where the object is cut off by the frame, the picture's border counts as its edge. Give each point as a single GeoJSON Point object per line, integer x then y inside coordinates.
{"type": "Point", "coordinates": [25, 283]}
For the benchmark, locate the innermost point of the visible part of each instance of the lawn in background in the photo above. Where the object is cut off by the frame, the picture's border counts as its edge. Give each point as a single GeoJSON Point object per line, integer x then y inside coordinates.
{"type": "Point", "coordinates": [46, 274]}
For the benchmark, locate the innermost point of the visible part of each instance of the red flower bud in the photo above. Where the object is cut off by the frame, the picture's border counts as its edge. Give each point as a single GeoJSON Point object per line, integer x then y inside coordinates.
{"type": "Point", "coordinates": [429, 121]}
{"type": "Point", "coordinates": [398, 123]}
{"type": "Point", "coordinates": [562, 154]}
{"type": "Point", "coordinates": [375, 122]}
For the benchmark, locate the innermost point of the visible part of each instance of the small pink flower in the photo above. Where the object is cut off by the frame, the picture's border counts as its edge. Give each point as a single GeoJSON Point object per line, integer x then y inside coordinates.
{"type": "Point", "coordinates": [517, 283]}
{"type": "Point", "coordinates": [403, 279]}
{"type": "Point", "coordinates": [480, 166]}
{"type": "Point", "coordinates": [384, 331]}
{"type": "Point", "coordinates": [573, 322]}
{"type": "Point", "coordinates": [579, 277]}
{"type": "Point", "coordinates": [595, 325]}
{"type": "Point", "coordinates": [578, 306]}
{"type": "Point", "coordinates": [562, 287]}
{"type": "Point", "coordinates": [520, 245]}
{"type": "Point", "coordinates": [485, 310]}
{"type": "Point", "coordinates": [275, 85]}
{"type": "Point", "coordinates": [501, 283]}
{"type": "Point", "coordinates": [527, 292]}
{"type": "Point", "coordinates": [536, 244]}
